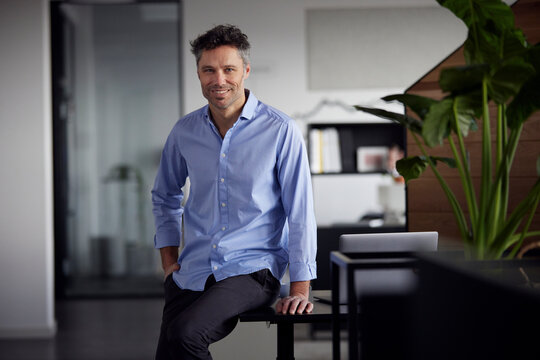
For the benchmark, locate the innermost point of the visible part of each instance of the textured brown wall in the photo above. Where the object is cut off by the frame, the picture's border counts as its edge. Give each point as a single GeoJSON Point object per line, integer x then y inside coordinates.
{"type": "Point", "coordinates": [428, 208]}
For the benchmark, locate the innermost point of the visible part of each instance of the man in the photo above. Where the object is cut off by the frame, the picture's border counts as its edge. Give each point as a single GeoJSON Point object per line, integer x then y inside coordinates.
{"type": "Point", "coordinates": [249, 213]}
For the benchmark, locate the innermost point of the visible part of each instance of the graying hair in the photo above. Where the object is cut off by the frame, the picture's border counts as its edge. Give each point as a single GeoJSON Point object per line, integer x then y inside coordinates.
{"type": "Point", "coordinates": [219, 36]}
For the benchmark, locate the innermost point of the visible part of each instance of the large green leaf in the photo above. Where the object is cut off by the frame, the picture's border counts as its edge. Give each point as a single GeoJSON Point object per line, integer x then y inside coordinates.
{"type": "Point", "coordinates": [414, 166]}
{"type": "Point", "coordinates": [468, 108]}
{"type": "Point", "coordinates": [462, 79]}
{"type": "Point", "coordinates": [479, 12]}
{"type": "Point", "coordinates": [487, 21]}
{"type": "Point", "coordinates": [508, 79]}
{"type": "Point", "coordinates": [524, 104]}
{"type": "Point", "coordinates": [527, 101]}
{"type": "Point", "coordinates": [411, 167]}
{"type": "Point", "coordinates": [479, 51]}
{"type": "Point", "coordinates": [407, 121]}
{"type": "Point", "coordinates": [513, 44]}
{"type": "Point", "coordinates": [451, 162]}
{"type": "Point", "coordinates": [438, 122]}
{"type": "Point", "coordinates": [490, 45]}
{"type": "Point", "coordinates": [419, 104]}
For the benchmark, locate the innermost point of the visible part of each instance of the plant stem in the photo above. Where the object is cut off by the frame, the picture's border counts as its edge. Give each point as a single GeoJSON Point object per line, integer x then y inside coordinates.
{"type": "Point", "coordinates": [505, 186]}
{"type": "Point", "coordinates": [480, 238]}
{"type": "Point", "coordinates": [497, 213]}
{"type": "Point", "coordinates": [466, 183]}
{"type": "Point", "coordinates": [458, 212]}
{"type": "Point", "coordinates": [525, 229]}
{"type": "Point", "coordinates": [505, 238]}
{"type": "Point", "coordinates": [503, 172]}
{"type": "Point", "coordinates": [464, 171]}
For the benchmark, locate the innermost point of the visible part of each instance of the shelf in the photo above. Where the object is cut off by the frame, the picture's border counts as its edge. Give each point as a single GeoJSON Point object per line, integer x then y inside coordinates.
{"type": "Point", "coordinates": [352, 136]}
{"type": "Point", "coordinates": [342, 194]}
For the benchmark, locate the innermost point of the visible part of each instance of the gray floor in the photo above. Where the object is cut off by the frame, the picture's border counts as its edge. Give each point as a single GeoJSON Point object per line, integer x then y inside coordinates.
{"type": "Point", "coordinates": [124, 329]}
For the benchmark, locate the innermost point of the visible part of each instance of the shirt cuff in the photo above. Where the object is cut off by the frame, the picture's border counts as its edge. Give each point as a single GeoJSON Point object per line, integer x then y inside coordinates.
{"type": "Point", "coordinates": [302, 271]}
{"type": "Point", "coordinates": [168, 238]}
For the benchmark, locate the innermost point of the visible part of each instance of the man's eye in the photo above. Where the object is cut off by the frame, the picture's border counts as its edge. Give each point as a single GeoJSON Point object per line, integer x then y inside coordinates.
{"type": "Point", "coordinates": [229, 70]}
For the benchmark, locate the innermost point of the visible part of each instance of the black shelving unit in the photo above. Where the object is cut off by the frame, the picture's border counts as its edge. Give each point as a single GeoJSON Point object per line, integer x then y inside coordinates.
{"type": "Point", "coordinates": [351, 137]}
{"type": "Point", "coordinates": [355, 135]}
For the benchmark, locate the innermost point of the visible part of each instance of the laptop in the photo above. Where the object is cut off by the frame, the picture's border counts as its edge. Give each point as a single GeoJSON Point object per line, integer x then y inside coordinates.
{"type": "Point", "coordinates": [382, 281]}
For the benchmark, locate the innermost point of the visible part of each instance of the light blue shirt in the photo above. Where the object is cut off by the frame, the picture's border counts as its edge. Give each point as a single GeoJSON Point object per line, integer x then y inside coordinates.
{"type": "Point", "coordinates": [250, 205]}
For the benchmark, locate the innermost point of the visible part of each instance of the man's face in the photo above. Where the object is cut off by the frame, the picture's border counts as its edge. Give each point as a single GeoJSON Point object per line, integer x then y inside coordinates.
{"type": "Point", "coordinates": [221, 73]}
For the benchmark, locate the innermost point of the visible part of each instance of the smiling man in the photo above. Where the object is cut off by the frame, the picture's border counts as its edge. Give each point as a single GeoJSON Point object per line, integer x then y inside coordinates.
{"type": "Point", "coordinates": [249, 214]}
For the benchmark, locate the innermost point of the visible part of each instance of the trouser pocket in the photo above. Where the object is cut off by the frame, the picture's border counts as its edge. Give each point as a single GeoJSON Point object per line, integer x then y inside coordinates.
{"type": "Point", "coordinates": [170, 289]}
{"type": "Point", "coordinates": [267, 281]}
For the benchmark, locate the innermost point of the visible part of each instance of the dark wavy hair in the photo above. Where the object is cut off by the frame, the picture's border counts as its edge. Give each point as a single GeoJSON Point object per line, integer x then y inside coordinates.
{"type": "Point", "coordinates": [222, 35]}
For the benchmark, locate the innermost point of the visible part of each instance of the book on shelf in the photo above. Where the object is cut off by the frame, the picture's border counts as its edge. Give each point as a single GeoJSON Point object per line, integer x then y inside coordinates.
{"type": "Point", "coordinates": [325, 154]}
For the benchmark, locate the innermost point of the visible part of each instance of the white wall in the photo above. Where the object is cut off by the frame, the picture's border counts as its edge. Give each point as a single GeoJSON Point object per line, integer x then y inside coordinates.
{"type": "Point", "coordinates": [279, 76]}
{"type": "Point", "coordinates": [26, 235]}
{"type": "Point", "coordinates": [277, 32]}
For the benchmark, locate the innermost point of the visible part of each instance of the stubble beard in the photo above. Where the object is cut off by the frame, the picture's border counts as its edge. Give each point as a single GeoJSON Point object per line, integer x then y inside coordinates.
{"type": "Point", "coordinates": [217, 100]}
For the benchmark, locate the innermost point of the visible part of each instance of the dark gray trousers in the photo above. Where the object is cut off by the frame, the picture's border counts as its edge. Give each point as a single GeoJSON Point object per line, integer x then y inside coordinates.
{"type": "Point", "coordinates": [192, 320]}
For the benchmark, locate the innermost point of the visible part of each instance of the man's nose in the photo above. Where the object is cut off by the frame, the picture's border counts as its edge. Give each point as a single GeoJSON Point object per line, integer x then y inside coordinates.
{"type": "Point", "coordinates": [220, 78]}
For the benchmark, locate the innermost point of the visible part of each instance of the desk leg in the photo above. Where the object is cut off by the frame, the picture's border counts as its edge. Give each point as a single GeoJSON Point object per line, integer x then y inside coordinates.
{"type": "Point", "coordinates": [352, 307]}
{"type": "Point", "coordinates": [285, 341]}
{"type": "Point", "coordinates": [336, 325]}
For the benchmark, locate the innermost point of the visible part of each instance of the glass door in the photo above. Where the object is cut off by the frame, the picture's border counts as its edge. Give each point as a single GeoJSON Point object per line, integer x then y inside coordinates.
{"type": "Point", "coordinates": [115, 99]}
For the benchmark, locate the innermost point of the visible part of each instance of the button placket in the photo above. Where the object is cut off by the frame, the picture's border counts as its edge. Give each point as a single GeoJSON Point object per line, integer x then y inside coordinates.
{"type": "Point", "coordinates": [223, 195]}
{"type": "Point", "coordinates": [222, 184]}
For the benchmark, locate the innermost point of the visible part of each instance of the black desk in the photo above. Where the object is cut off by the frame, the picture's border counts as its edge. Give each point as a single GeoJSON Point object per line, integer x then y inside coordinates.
{"type": "Point", "coordinates": [285, 324]}
{"type": "Point", "coordinates": [350, 262]}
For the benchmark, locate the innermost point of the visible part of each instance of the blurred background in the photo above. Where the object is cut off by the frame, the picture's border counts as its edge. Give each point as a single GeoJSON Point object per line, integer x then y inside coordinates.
{"type": "Point", "coordinates": [89, 90]}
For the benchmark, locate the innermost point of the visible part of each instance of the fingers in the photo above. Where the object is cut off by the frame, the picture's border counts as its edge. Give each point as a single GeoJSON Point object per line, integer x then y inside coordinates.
{"type": "Point", "coordinates": [172, 268]}
{"type": "Point", "coordinates": [294, 305]}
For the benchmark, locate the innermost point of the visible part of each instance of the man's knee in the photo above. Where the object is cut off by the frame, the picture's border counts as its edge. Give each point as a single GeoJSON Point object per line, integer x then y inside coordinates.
{"type": "Point", "coordinates": [187, 341]}
{"type": "Point", "coordinates": [184, 331]}
{"type": "Point", "coordinates": [195, 335]}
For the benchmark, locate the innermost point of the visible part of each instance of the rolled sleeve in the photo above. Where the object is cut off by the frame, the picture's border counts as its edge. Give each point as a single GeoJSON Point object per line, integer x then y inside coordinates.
{"type": "Point", "coordinates": [302, 271]}
{"type": "Point", "coordinates": [167, 238]}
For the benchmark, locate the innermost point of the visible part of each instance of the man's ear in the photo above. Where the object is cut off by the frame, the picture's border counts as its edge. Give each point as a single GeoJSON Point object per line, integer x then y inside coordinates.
{"type": "Point", "coordinates": [247, 70]}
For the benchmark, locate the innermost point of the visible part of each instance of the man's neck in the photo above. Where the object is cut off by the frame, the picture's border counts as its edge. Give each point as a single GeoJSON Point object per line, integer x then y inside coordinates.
{"type": "Point", "coordinates": [224, 119]}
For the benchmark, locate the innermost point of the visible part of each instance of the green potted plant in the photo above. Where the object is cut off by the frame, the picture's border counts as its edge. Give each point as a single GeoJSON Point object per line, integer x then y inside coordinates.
{"type": "Point", "coordinates": [503, 70]}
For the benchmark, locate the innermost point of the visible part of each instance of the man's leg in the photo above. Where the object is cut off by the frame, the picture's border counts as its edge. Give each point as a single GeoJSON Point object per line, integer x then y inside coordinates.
{"type": "Point", "coordinates": [214, 314]}
{"type": "Point", "coordinates": [176, 301]}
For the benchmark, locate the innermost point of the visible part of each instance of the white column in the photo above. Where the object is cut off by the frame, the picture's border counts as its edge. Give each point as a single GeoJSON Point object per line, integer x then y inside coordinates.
{"type": "Point", "coordinates": [26, 204]}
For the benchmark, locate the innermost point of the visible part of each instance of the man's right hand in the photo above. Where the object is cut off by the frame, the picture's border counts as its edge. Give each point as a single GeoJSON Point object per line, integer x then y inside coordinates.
{"type": "Point", "coordinates": [169, 260]}
{"type": "Point", "coordinates": [170, 269]}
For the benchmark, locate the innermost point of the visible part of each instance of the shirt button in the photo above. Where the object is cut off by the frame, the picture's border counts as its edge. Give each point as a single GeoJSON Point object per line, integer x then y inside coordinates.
{"type": "Point", "coordinates": [214, 246]}
{"type": "Point", "coordinates": [223, 155]}
{"type": "Point", "coordinates": [222, 180]}
{"type": "Point", "coordinates": [215, 267]}
{"type": "Point", "coordinates": [223, 228]}
{"type": "Point", "coordinates": [223, 204]}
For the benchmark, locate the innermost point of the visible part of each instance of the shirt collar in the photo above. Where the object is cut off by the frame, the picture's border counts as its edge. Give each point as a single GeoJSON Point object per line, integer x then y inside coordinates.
{"type": "Point", "coordinates": [248, 111]}
{"type": "Point", "coordinates": [250, 106]}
